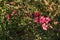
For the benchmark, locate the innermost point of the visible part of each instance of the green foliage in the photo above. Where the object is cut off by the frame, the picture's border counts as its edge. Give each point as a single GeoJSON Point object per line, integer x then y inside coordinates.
{"type": "Point", "coordinates": [21, 25]}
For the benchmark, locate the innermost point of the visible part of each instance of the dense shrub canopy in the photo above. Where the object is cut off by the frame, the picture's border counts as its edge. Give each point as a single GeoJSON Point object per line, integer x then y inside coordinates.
{"type": "Point", "coordinates": [29, 19]}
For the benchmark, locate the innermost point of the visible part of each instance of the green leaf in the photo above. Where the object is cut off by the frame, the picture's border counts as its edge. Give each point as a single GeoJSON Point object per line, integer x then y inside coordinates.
{"type": "Point", "coordinates": [0, 12]}
{"type": "Point", "coordinates": [0, 7]}
{"type": "Point", "coordinates": [19, 0]}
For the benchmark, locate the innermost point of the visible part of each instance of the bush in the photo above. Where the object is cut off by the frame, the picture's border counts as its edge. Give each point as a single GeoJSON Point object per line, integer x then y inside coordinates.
{"type": "Point", "coordinates": [29, 19]}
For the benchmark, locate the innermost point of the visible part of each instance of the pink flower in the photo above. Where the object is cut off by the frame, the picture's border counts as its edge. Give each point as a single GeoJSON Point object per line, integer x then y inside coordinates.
{"type": "Point", "coordinates": [36, 19]}
{"type": "Point", "coordinates": [12, 3]}
{"type": "Point", "coordinates": [14, 11]}
{"type": "Point", "coordinates": [8, 16]}
{"type": "Point", "coordinates": [41, 19]}
{"type": "Point", "coordinates": [47, 20]}
{"type": "Point", "coordinates": [36, 14]}
{"type": "Point", "coordinates": [44, 26]}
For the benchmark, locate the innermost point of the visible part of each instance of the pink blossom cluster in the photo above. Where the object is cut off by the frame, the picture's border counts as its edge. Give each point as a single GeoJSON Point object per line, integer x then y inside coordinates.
{"type": "Point", "coordinates": [42, 20]}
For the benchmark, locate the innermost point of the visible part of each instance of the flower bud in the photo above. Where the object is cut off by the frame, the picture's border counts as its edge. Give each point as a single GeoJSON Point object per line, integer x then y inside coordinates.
{"type": "Point", "coordinates": [36, 14]}
{"type": "Point", "coordinates": [12, 3]}
{"type": "Point", "coordinates": [8, 16]}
